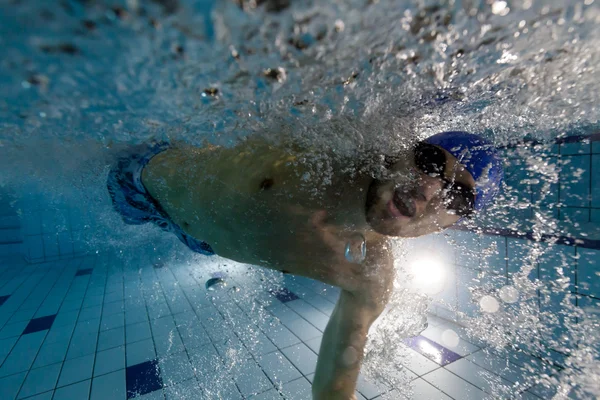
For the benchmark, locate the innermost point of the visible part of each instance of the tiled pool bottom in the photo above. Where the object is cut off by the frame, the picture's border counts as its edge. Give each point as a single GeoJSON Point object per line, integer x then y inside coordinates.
{"type": "Point", "coordinates": [93, 328]}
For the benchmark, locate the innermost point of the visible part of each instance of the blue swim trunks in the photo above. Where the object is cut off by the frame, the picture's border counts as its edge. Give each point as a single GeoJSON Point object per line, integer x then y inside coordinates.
{"type": "Point", "coordinates": [131, 199]}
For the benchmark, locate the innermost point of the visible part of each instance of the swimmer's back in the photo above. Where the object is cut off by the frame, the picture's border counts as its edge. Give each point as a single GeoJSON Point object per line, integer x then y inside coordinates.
{"type": "Point", "coordinates": [251, 203]}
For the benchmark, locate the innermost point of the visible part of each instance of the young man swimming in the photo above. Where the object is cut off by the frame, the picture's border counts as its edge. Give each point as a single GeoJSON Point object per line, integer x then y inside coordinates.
{"type": "Point", "coordinates": [255, 203]}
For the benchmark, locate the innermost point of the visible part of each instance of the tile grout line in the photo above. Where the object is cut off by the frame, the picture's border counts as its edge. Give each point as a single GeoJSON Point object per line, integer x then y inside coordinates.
{"type": "Point", "coordinates": [40, 347]}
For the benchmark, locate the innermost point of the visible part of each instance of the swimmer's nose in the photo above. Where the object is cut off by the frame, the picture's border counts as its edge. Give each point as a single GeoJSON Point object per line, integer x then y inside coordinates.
{"type": "Point", "coordinates": [426, 192]}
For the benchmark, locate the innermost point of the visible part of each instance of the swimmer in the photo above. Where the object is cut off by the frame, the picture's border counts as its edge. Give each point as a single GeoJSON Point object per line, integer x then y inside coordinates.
{"type": "Point", "coordinates": [253, 203]}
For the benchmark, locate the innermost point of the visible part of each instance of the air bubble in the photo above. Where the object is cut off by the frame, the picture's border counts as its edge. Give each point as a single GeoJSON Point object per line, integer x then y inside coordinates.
{"type": "Point", "coordinates": [489, 304]}
{"type": "Point", "coordinates": [450, 338]}
{"type": "Point", "coordinates": [356, 249]}
{"type": "Point", "coordinates": [509, 294]}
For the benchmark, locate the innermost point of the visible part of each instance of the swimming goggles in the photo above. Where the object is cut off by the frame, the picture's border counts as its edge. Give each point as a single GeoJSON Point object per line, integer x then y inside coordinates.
{"type": "Point", "coordinates": [431, 160]}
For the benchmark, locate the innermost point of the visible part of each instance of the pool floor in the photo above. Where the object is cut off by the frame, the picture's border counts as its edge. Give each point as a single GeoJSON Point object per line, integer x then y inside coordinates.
{"type": "Point", "coordinates": [99, 328]}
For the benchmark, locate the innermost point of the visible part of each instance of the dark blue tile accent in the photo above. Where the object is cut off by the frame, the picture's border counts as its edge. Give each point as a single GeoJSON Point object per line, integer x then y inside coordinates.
{"type": "Point", "coordinates": [283, 295]}
{"type": "Point", "coordinates": [3, 299]}
{"type": "Point", "coordinates": [39, 324]}
{"type": "Point", "coordinates": [143, 378]}
{"type": "Point", "coordinates": [432, 350]}
{"type": "Point", "coordinates": [81, 272]}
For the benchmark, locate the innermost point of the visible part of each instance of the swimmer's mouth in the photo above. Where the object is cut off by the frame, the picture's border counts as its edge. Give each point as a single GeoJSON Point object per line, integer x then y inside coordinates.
{"type": "Point", "coordinates": [402, 205]}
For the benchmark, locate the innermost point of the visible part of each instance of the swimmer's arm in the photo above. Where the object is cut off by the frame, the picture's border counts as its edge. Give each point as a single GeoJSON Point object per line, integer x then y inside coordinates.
{"type": "Point", "coordinates": [344, 339]}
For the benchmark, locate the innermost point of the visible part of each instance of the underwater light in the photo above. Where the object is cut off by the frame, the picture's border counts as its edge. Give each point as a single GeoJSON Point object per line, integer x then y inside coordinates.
{"type": "Point", "coordinates": [429, 275]}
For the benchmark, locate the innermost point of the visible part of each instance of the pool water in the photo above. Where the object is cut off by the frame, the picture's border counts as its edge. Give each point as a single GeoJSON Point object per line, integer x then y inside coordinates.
{"type": "Point", "coordinates": [505, 306]}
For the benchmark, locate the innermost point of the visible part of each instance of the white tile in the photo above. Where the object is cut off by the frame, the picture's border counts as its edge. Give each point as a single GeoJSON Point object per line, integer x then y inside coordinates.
{"type": "Point", "coordinates": [299, 389]}
{"type": "Point", "coordinates": [82, 345]}
{"type": "Point", "coordinates": [80, 390]}
{"type": "Point", "coordinates": [111, 338]}
{"type": "Point", "coordinates": [23, 353]}
{"type": "Point", "coordinates": [51, 353]}
{"type": "Point", "coordinates": [321, 304]}
{"type": "Point", "coordinates": [281, 336]}
{"type": "Point", "coordinates": [188, 390]}
{"type": "Point", "coordinates": [40, 380]}
{"type": "Point", "coordinates": [480, 377]}
{"type": "Point", "coordinates": [87, 326]}
{"type": "Point", "coordinates": [168, 344]}
{"type": "Point", "coordinates": [137, 332]}
{"type": "Point", "coordinates": [309, 313]}
{"type": "Point", "coordinates": [278, 368]}
{"type": "Point", "coordinates": [43, 396]}
{"type": "Point", "coordinates": [6, 346]}
{"type": "Point", "coordinates": [369, 388]}
{"type": "Point", "coordinates": [194, 335]}
{"type": "Point", "coordinates": [314, 344]}
{"type": "Point", "coordinates": [10, 385]}
{"type": "Point", "coordinates": [109, 360]}
{"type": "Point", "coordinates": [420, 390]}
{"type": "Point", "coordinates": [163, 326]}
{"type": "Point", "coordinates": [435, 333]}
{"type": "Point", "coordinates": [283, 313]}
{"type": "Point", "coordinates": [77, 369]}
{"type": "Point", "coordinates": [418, 363]}
{"type": "Point", "coordinates": [499, 365]}
{"type": "Point", "coordinates": [160, 395]}
{"type": "Point", "coordinates": [454, 386]}
{"type": "Point", "coordinates": [139, 352]}
{"type": "Point", "coordinates": [257, 342]}
{"type": "Point", "coordinates": [250, 378]}
{"type": "Point", "coordinates": [175, 368]}
{"type": "Point", "coordinates": [302, 357]}
{"type": "Point", "coordinates": [51, 245]}
{"type": "Point", "coordinates": [302, 329]}
{"type": "Point", "coordinates": [109, 386]}
{"type": "Point", "coordinates": [272, 394]}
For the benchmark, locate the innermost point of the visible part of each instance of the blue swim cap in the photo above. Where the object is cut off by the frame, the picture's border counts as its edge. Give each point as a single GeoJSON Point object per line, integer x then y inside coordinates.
{"type": "Point", "coordinates": [479, 157]}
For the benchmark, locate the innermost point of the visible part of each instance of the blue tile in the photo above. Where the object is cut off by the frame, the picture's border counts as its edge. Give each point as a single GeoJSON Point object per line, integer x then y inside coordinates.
{"type": "Point", "coordinates": [109, 386]}
{"type": "Point", "coordinates": [143, 378]}
{"type": "Point", "coordinates": [9, 386]}
{"type": "Point", "coordinates": [51, 245]}
{"type": "Point", "coordinates": [575, 148]}
{"type": "Point", "coordinates": [76, 370]}
{"type": "Point", "coordinates": [77, 391]}
{"type": "Point", "coordinates": [596, 181]}
{"type": "Point", "coordinates": [494, 254]}
{"type": "Point", "coordinates": [557, 258]}
{"type": "Point", "coordinates": [40, 380]}
{"type": "Point", "coordinates": [3, 299]}
{"type": "Point", "coordinates": [596, 147]}
{"type": "Point", "coordinates": [518, 252]}
{"type": "Point", "coordinates": [86, 271]}
{"type": "Point", "coordinates": [432, 350]}
{"type": "Point", "coordinates": [587, 267]}
{"type": "Point", "coordinates": [35, 247]}
{"type": "Point", "coordinates": [39, 324]}
{"type": "Point", "coordinates": [283, 295]}
{"type": "Point", "coordinates": [110, 360]}
{"type": "Point", "coordinates": [65, 243]}
{"type": "Point", "coordinates": [454, 386]}
{"type": "Point", "coordinates": [575, 181]}
{"type": "Point", "coordinates": [575, 214]}
{"type": "Point", "coordinates": [111, 338]}
{"type": "Point", "coordinates": [595, 213]}
{"type": "Point", "coordinates": [51, 353]}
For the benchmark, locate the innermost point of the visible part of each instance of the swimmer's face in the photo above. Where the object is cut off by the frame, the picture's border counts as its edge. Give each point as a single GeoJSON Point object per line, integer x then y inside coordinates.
{"type": "Point", "coordinates": [411, 202]}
